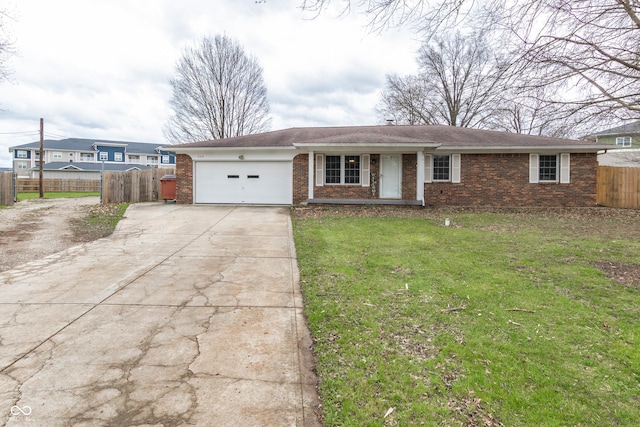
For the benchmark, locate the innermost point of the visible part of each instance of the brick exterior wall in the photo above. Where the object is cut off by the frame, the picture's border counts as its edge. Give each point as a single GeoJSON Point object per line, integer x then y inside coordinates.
{"type": "Point", "coordinates": [300, 180]}
{"type": "Point", "coordinates": [500, 180]}
{"type": "Point", "coordinates": [409, 176]}
{"type": "Point", "coordinates": [503, 180]}
{"type": "Point", "coordinates": [184, 179]}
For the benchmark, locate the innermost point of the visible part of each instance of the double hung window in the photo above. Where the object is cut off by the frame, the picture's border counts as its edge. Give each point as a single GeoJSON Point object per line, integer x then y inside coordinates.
{"type": "Point", "coordinates": [344, 169]}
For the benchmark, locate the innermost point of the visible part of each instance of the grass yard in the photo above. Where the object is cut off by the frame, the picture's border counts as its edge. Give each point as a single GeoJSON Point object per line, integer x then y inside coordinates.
{"type": "Point", "coordinates": [57, 195]}
{"type": "Point", "coordinates": [506, 317]}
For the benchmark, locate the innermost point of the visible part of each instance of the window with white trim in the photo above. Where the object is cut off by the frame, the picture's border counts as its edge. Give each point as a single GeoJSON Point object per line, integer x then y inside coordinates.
{"type": "Point", "coordinates": [22, 165]}
{"type": "Point", "coordinates": [343, 169]}
{"type": "Point", "coordinates": [21, 154]}
{"type": "Point", "coordinates": [86, 157]}
{"type": "Point", "coordinates": [117, 157]}
{"type": "Point", "coordinates": [134, 159]}
{"type": "Point", "coordinates": [624, 141]}
{"type": "Point", "coordinates": [442, 168]}
{"type": "Point", "coordinates": [57, 155]}
{"type": "Point", "coordinates": [165, 158]}
{"type": "Point", "coordinates": [548, 168]}
{"type": "Point", "coordinates": [104, 156]}
{"type": "Point", "coordinates": [152, 160]}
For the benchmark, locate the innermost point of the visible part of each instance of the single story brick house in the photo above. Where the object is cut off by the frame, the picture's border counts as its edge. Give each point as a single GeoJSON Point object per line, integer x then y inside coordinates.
{"type": "Point", "coordinates": [408, 165]}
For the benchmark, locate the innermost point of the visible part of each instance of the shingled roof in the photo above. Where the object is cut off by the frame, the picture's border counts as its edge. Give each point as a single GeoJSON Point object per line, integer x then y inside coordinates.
{"type": "Point", "coordinates": [445, 137]}
{"type": "Point", "coordinates": [629, 128]}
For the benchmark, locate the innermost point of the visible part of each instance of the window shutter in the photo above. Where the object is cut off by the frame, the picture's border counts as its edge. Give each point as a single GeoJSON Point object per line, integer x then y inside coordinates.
{"type": "Point", "coordinates": [366, 169]}
{"type": "Point", "coordinates": [565, 165]}
{"type": "Point", "coordinates": [428, 161]}
{"type": "Point", "coordinates": [534, 174]}
{"type": "Point", "coordinates": [319, 170]}
{"type": "Point", "coordinates": [455, 168]}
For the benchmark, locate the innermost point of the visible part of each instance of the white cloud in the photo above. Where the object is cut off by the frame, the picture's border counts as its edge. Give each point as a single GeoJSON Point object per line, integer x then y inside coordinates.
{"type": "Point", "coordinates": [101, 69]}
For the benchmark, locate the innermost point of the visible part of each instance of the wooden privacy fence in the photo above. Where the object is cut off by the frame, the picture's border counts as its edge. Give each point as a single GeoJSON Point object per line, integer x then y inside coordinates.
{"type": "Point", "coordinates": [618, 187]}
{"type": "Point", "coordinates": [6, 188]}
{"type": "Point", "coordinates": [133, 186]}
{"type": "Point", "coordinates": [56, 185]}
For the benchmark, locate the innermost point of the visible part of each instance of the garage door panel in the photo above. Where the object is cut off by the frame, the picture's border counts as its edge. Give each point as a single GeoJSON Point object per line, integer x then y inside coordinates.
{"type": "Point", "coordinates": [243, 182]}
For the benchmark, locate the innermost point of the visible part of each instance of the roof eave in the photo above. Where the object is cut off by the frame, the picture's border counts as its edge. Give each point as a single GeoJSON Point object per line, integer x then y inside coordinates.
{"type": "Point", "coordinates": [191, 150]}
{"type": "Point", "coordinates": [364, 146]}
{"type": "Point", "coordinates": [526, 149]}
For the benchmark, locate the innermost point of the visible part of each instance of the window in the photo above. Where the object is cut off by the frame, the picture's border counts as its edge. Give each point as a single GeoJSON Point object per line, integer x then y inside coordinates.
{"type": "Point", "coordinates": [134, 159]}
{"type": "Point", "coordinates": [441, 168]}
{"type": "Point", "coordinates": [342, 170]}
{"type": "Point", "coordinates": [57, 155]}
{"type": "Point", "coordinates": [104, 156]}
{"type": "Point", "coordinates": [548, 168]}
{"type": "Point", "coordinates": [21, 154]}
{"type": "Point", "coordinates": [117, 157]}
{"type": "Point", "coordinates": [22, 165]}
{"type": "Point", "coordinates": [624, 141]}
{"type": "Point", "coordinates": [152, 160]}
{"type": "Point", "coordinates": [86, 157]}
{"type": "Point", "coordinates": [165, 159]}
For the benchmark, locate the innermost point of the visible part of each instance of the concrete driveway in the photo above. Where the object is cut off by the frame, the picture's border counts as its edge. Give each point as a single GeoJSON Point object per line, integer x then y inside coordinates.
{"type": "Point", "coordinates": [186, 315]}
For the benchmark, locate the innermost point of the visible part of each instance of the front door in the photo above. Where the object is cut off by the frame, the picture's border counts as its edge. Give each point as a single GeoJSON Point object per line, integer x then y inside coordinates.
{"type": "Point", "coordinates": [390, 176]}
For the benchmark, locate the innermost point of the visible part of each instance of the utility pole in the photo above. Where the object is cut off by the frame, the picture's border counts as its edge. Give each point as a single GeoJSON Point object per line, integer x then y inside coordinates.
{"type": "Point", "coordinates": [41, 165]}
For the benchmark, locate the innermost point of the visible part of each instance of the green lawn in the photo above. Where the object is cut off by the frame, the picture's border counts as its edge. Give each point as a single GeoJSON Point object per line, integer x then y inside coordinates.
{"type": "Point", "coordinates": [503, 318]}
{"type": "Point", "coordinates": [47, 195]}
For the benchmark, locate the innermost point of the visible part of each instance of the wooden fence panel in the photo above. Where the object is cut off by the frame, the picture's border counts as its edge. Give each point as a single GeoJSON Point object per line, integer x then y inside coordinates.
{"type": "Point", "coordinates": [57, 185]}
{"type": "Point", "coordinates": [618, 187]}
{"type": "Point", "coordinates": [6, 188]}
{"type": "Point", "coordinates": [134, 186]}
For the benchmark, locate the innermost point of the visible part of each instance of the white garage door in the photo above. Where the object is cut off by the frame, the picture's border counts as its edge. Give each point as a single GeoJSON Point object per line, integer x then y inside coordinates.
{"type": "Point", "coordinates": [266, 183]}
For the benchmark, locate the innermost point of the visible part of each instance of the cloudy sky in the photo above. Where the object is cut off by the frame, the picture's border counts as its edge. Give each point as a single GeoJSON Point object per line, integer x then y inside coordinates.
{"type": "Point", "coordinates": [101, 69]}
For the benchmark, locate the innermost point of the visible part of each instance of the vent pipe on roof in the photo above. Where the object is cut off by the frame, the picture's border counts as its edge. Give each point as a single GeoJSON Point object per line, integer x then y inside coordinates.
{"type": "Point", "coordinates": [389, 122]}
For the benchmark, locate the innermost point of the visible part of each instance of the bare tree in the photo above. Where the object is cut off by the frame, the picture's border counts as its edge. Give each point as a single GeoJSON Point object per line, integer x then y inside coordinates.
{"type": "Point", "coordinates": [7, 47]}
{"type": "Point", "coordinates": [590, 46]}
{"type": "Point", "coordinates": [531, 112]}
{"type": "Point", "coordinates": [218, 92]}
{"type": "Point", "coordinates": [460, 83]}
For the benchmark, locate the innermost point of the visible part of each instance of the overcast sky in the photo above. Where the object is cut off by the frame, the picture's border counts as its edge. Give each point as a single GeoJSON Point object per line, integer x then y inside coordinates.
{"type": "Point", "coordinates": [101, 69]}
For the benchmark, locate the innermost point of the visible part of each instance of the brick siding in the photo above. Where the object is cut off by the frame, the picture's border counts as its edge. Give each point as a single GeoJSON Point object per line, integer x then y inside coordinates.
{"type": "Point", "coordinates": [503, 180]}
{"type": "Point", "coordinates": [500, 180]}
{"type": "Point", "coordinates": [300, 180]}
{"type": "Point", "coordinates": [184, 179]}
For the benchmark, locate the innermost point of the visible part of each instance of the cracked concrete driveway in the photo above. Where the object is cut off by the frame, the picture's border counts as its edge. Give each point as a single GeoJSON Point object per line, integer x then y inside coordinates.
{"type": "Point", "coordinates": [186, 315]}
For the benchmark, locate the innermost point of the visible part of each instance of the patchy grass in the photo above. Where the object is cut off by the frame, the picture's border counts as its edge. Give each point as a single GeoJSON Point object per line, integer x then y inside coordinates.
{"type": "Point", "coordinates": [47, 195]}
{"type": "Point", "coordinates": [99, 222]}
{"type": "Point", "coordinates": [508, 317]}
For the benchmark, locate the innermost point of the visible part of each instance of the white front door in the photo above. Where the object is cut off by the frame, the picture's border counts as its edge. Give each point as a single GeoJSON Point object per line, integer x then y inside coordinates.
{"type": "Point", "coordinates": [390, 176]}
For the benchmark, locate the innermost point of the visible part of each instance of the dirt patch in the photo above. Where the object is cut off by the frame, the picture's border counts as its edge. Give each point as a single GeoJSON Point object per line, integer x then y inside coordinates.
{"type": "Point", "coordinates": [625, 274]}
{"type": "Point", "coordinates": [35, 228]}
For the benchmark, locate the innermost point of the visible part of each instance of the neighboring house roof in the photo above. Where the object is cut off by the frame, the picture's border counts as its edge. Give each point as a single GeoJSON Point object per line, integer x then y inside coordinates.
{"type": "Point", "coordinates": [629, 158]}
{"type": "Point", "coordinates": [93, 167]}
{"type": "Point", "coordinates": [626, 129]}
{"type": "Point", "coordinates": [449, 138]}
{"type": "Point", "coordinates": [83, 144]}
